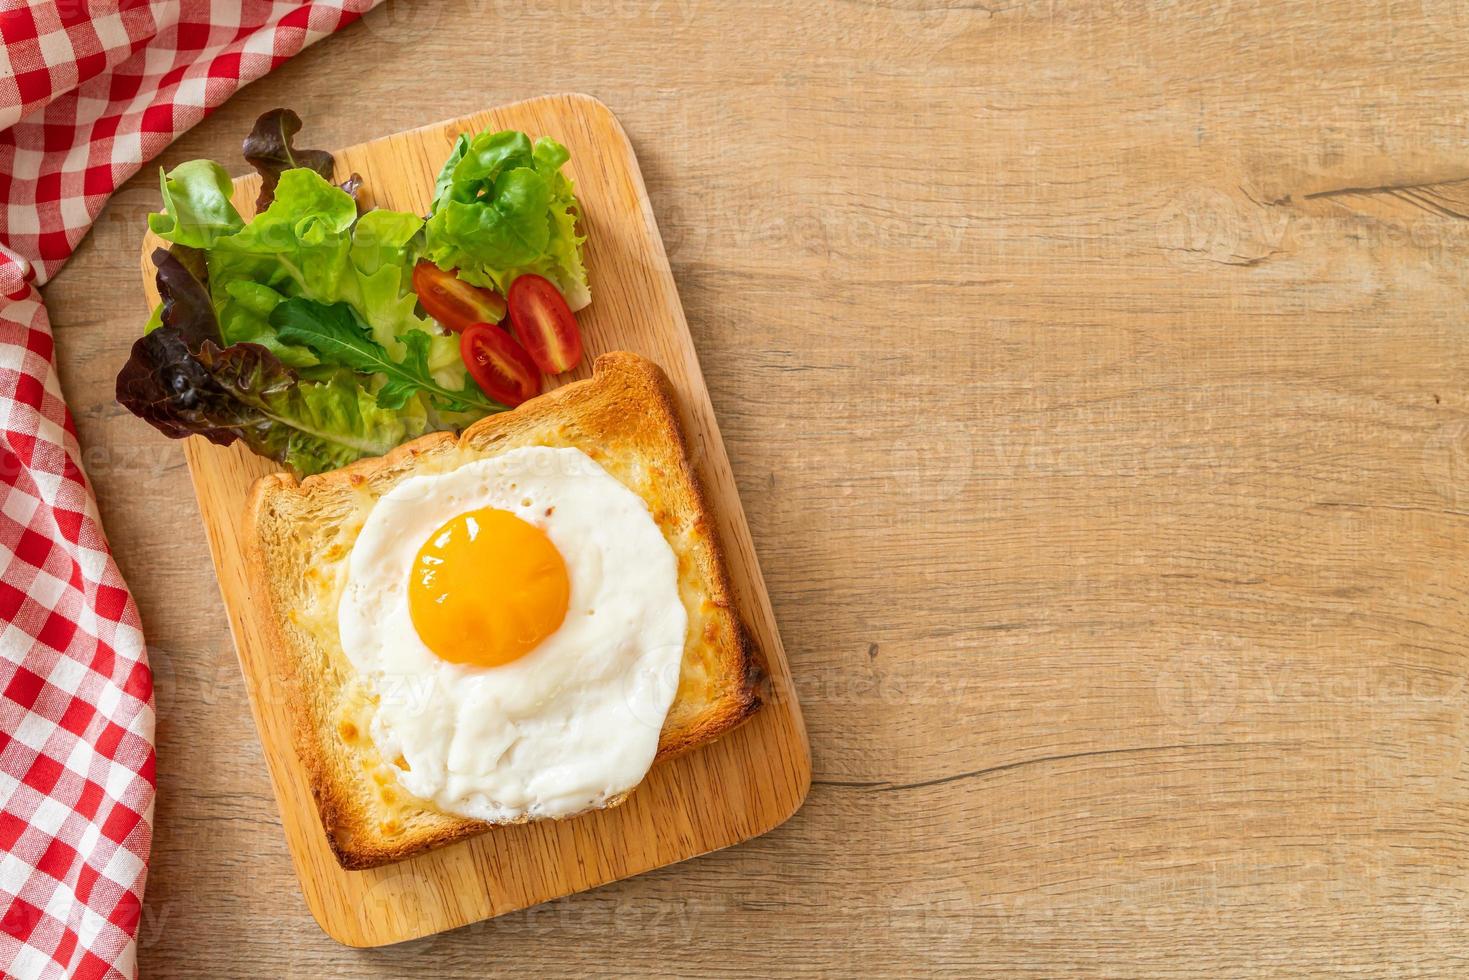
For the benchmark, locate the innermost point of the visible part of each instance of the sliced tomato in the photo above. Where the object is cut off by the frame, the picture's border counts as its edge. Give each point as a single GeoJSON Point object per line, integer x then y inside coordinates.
{"type": "Point", "coordinates": [452, 301]}
{"type": "Point", "coordinates": [544, 324]}
{"type": "Point", "coordinates": [498, 364]}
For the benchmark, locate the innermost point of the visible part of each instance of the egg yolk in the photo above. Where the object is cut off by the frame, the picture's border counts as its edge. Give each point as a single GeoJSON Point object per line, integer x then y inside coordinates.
{"type": "Point", "coordinates": [486, 588]}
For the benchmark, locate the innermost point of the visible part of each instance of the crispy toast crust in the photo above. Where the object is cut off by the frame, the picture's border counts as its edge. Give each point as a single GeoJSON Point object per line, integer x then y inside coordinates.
{"type": "Point", "coordinates": [626, 419]}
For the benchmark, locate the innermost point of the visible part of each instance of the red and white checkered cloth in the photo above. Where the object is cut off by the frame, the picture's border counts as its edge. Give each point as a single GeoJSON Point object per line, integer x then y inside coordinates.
{"type": "Point", "coordinates": [89, 90]}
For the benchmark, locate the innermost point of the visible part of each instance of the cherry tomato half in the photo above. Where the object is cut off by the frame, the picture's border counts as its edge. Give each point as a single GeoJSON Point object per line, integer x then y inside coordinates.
{"type": "Point", "coordinates": [498, 364]}
{"type": "Point", "coordinates": [544, 324]}
{"type": "Point", "coordinates": [452, 301]}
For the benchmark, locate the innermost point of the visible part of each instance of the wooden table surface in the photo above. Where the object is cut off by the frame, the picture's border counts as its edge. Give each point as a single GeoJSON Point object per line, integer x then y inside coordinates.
{"type": "Point", "coordinates": [1094, 377]}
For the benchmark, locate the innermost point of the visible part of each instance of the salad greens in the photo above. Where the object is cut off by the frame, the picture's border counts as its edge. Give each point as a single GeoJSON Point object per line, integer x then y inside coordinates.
{"type": "Point", "coordinates": [502, 207]}
{"type": "Point", "coordinates": [299, 332]}
{"type": "Point", "coordinates": [196, 205]}
{"type": "Point", "coordinates": [184, 382]}
{"type": "Point", "coordinates": [337, 334]}
{"type": "Point", "coordinates": [310, 243]}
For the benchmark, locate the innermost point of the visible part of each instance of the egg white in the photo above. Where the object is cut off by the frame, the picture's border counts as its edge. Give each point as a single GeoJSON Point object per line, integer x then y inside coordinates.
{"type": "Point", "coordinates": [570, 724]}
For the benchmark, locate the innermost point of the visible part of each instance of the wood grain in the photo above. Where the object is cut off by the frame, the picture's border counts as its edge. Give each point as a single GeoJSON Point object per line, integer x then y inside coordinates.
{"type": "Point", "coordinates": [743, 785]}
{"type": "Point", "coordinates": [1110, 492]}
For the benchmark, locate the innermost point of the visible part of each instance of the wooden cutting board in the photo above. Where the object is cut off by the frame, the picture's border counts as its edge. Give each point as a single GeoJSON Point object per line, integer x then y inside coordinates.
{"type": "Point", "coordinates": [735, 789]}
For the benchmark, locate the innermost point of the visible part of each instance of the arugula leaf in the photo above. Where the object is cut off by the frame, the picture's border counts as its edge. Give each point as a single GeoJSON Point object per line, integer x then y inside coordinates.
{"type": "Point", "coordinates": [399, 389]}
{"type": "Point", "coordinates": [196, 205]}
{"type": "Point", "coordinates": [339, 336]}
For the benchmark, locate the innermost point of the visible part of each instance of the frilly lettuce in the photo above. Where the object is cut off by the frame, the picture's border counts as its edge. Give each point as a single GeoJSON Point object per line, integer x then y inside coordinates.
{"type": "Point", "coordinates": [196, 205]}
{"type": "Point", "coordinates": [183, 382]}
{"type": "Point", "coordinates": [297, 332]}
{"type": "Point", "coordinates": [309, 242]}
{"type": "Point", "coordinates": [502, 208]}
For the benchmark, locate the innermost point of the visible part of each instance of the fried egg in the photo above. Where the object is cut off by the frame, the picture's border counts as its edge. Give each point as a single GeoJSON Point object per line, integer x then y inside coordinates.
{"type": "Point", "coordinates": [517, 623]}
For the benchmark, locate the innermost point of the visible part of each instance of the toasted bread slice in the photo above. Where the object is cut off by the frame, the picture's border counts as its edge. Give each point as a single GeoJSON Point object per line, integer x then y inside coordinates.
{"type": "Point", "coordinates": [298, 536]}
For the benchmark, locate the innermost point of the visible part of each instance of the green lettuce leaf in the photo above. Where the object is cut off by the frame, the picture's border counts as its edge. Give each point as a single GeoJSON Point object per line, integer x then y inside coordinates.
{"type": "Point", "coordinates": [310, 243]}
{"type": "Point", "coordinates": [196, 205]}
{"type": "Point", "coordinates": [309, 426]}
{"type": "Point", "coordinates": [301, 242]}
{"type": "Point", "coordinates": [384, 248]}
{"type": "Point", "coordinates": [155, 319]}
{"type": "Point", "coordinates": [487, 156]}
{"type": "Point", "coordinates": [299, 332]}
{"type": "Point", "coordinates": [444, 183]}
{"type": "Point", "coordinates": [503, 208]}
{"type": "Point", "coordinates": [183, 383]}
{"type": "Point", "coordinates": [562, 263]}
{"type": "Point", "coordinates": [244, 317]}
